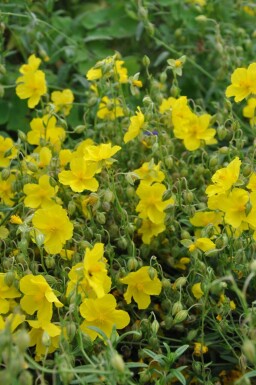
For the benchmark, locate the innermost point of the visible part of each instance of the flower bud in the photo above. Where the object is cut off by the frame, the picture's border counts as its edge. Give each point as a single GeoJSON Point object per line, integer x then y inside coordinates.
{"type": "Point", "coordinates": [71, 207]}
{"type": "Point", "coordinates": [5, 173]}
{"type": "Point", "coordinates": [22, 136]}
{"type": "Point", "coordinates": [71, 330]}
{"type": "Point", "coordinates": [249, 350]}
{"type": "Point", "coordinates": [79, 129]}
{"type": "Point", "coordinates": [155, 326]}
{"type": "Point", "coordinates": [117, 362]}
{"type": "Point", "coordinates": [101, 218]}
{"type": "Point", "coordinates": [177, 307]}
{"type": "Point", "coordinates": [180, 316]}
{"type": "Point", "coordinates": [151, 272]}
{"type": "Point", "coordinates": [32, 167]}
{"type": "Point", "coordinates": [46, 339]}
{"type": "Point", "coordinates": [22, 340]}
{"type": "Point", "coordinates": [9, 278]}
{"type": "Point", "coordinates": [180, 282]}
{"type": "Point", "coordinates": [201, 18]}
{"type": "Point", "coordinates": [25, 378]}
{"type": "Point", "coordinates": [132, 264]}
{"type": "Point", "coordinates": [146, 61]}
{"type": "Point", "coordinates": [50, 262]}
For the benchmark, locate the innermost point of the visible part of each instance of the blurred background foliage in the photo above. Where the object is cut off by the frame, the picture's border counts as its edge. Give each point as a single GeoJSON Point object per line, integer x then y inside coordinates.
{"type": "Point", "coordinates": [72, 35]}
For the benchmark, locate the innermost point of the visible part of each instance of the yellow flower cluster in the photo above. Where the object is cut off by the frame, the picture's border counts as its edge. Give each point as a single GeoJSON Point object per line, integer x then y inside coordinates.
{"type": "Point", "coordinates": [232, 206]}
{"type": "Point", "coordinates": [192, 129]}
{"type": "Point", "coordinates": [243, 83]}
{"type": "Point", "coordinates": [151, 206]}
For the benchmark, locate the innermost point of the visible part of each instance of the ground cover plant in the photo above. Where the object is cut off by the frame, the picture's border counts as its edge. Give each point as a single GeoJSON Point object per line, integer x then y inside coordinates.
{"type": "Point", "coordinates": [127, 192]}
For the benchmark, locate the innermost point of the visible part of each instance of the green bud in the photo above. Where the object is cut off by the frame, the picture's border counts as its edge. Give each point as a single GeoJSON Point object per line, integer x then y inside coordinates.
{"type": "Point", "coordinates": [151, 272]}
{"type": "Point", "coordinates": [249, 350]}
{"type": "Point", "coordinates": [142, 13]}
{"type": "Point", "coordinates": [46, 339]}
{"type": "Point", "coordinates": [5, 173]}
{"type": "Point", "coordinates": [146, 61]}
{"type": "Point", "coordinates": [155, 326]}
{"type": "Point", "coordinates": [180, 282]}
{"type": "Point", "coordinates": [247, 169]}
{"type": "Point", "coordinates": [9, 278]}
{"type": "Point", "coordinates": [79, 129]}
{"type": "Point", "coordinates": [122, 243]}
{"type": "Point", "coordinates": [169, 162]}
{"type": "Point", "coordinates": [50, 262]}
{"type": "Point", "coordinates": [176, 308]}
{"type": "Point", "coordinates": [180, 316]}
{"type": "Point", "coordinates": [192, 334]}
{"type": "Point", "coordinates": [197, 367]}
{"type": "Point", "coordinates": [101, 218]}
{"type": "Point", "coordinates": [132, 264]}
{"type": "Point", "coordinates": [22, 136]}
{"type": "Point", "coordinates": [71, 207]}
{"type": "Point", "coordinates": [117, 362]}
{"type": "Point", "coordinates": [22, 340]}
{"type": "Point", "coordinates": [32, 167]}
{"type": "Point", "coordinates": [71, 330]}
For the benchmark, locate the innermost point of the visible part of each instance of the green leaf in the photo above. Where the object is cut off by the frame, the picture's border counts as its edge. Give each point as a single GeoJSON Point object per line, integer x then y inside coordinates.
{"type": "Point", "coordinates": [178, 352]}
{"type": "Point", "coordinates": [4, 111]}
{"type": "Point", "coordinates": [179, 376]}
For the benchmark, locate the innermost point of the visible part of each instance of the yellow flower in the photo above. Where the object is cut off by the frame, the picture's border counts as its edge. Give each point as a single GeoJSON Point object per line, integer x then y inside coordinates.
{"type": "Point", "coordinates": [6, 190]}
{"type": "Point", "coordinates": [31, 86]}
{"type": "Point", "coordinates": [7, 151]}
{"type": "Point", "coordinates": [81, 175]}
{"type": "Point", "coordinates": [148, 230]}
{"type": "Point", "coordinates": [197, 290]}
{"type": "Point", "coordinates": [110, 109]}
{"type": "Point", "coordinates": [32, 66]}
{"type": "Point", "coordinates": [166, 105]}
{"type": "Point", "coordinates": [181, 112]}
{"type": "Point", "coordinates": [16, 219]}
{"type": "Point", "coordinates": [249, 111]}
{"type": "Point", "coordinates": [194, 131]}
{"type": "Point", "coordinates": [44, 335]}
{"type": "Point", "coordinates": [62, 101]}
{"type": "Point", "coordinates": [205, 218]}
{"type": "Point", "coordinates": [150, 172]}
{"type": "Point", "coordinates": [115, 69]}
{"type": "Point", "coordinates": [203, 244]}
{"type": "Point", "coordinates": [67, 254]}
{"type": "Point", "coordinates": [235, 207]}
{"type": "Point", "coordinates": [54, 224]}
{"type": "Point", "coordinates": [90, 277]}
{"type": "Point", "coordinates": [243, 83]}
{"type": "Point", "coordinates": [151, 205]}
{"type": "Point", "coordinates": [95, 271]}
{"type": "Point", "coordinates": [141, 286]}
{"type": "Point", "coordinates": [101, 153]}
{"type": "Point", "coordinates": [38, 296]}
{"type": "Point", "coordinates": [41, 194]}
{"type": "Point", "coordinates": [65, 157]}
{"type": "Point", "coordinates": [12, 321]}
{"type": "Point", "coordinates": [200, 349]}
{"type": "Point", "coordinates": [4, 232]}
{"type": "Point", "coordinates": [201, 3]}
{"type": "Point", "coordinates": [102, 313]}
{"type": "Point", "coordinates": [224, 178]}
{"type": "Point", "coordinates": [252, 182]}
{"type": "Point", "coordinates": [135, 127]}
{"type": "Point", "coordinates": [45, 129]}
{"type": "Point", "coordinates": [6, 293]}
